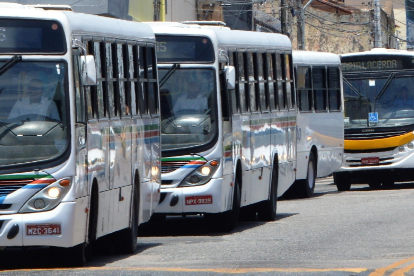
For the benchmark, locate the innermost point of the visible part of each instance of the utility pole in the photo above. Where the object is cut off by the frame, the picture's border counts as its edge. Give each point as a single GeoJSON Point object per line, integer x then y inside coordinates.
{"type": "Point", "coordinates": [377, 23]}
{"type": "Point", "coordinates": [301, 24]}
{"type": "Point", "coordinates": [283, 17]}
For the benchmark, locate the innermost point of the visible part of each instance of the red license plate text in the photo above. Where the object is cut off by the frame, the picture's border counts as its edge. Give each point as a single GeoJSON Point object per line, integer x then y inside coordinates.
{"type": "Point", "coordinates": [370, 160]}
{"type": "Point", "coordinates": [43, 229]}
{"type": "Point", "coordinates": [196, 200]}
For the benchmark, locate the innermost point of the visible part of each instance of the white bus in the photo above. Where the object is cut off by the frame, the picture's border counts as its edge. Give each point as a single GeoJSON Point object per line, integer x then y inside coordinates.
{"type": "Point", "coordinates": [379, 118]}
{"type": "Point", "coordinates": [228, 127]}
{"type": "Point", "coordinates": [84, 162]}
{"type": "Point", "coordinates": [320, 145]}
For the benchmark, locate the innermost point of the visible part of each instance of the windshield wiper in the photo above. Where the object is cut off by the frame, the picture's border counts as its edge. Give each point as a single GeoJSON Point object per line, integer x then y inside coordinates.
{"type": "Point", "coordinates": [387, 83]}
{"type": "Point", "coordinates": [169, 73]}
{"type": "Point", "coordinates": [10, 63]}
{"type": "Point", "coordinates": [352, 87]}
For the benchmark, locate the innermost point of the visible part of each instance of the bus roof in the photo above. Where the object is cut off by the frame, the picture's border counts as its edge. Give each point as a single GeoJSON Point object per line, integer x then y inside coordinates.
{"type": "Point", "coordinates": [379, 51]}
{"type": "Point", "coordinates": [314, 58]}
{"type": "Point", "coordinates": [80, 23]}
{"type": "Point", "coordinates": [225, 36]}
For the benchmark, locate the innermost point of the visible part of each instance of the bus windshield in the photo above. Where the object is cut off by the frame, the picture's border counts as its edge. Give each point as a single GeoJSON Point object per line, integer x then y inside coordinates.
{"type": "Point", "coordinates": [188, 107]}
{"type": "Point", "coordinates": [389, 96]}
{"type": "Point", "coordinates": [33, 122]}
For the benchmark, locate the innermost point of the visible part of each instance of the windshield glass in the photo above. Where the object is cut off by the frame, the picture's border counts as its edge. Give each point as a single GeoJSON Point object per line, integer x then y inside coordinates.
{"type": "Point", "coordinates": [390, 98]}
{"type": "Point", "coordinates": [188, 108]}
{"type": "Point", "coordinates": [33, 123]}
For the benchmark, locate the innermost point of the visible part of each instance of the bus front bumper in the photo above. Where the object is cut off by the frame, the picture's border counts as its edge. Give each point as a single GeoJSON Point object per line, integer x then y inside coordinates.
{"type": "Point", "coordinates": [208, 198]}
{"type": "Point", "coordinates": [50, 228]}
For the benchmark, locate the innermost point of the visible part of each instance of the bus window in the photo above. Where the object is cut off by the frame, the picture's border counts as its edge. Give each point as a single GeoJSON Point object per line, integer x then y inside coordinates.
{"type": "Point", "coordinates": [281, 88]}
{"type": "Point", "coordinates": [319, 88]}
{"type": "Point", "coordinates": [241, 82]}
{"type": "Point", "coordinates": [334, 96]}
{"type": "Point", "coordinates": [235, 101]}
{"type": "Point", "coordinates": [303, 86]}
{"type": "Point", "coordinates": [251, 82]}
{"type": "Point", "coordinates": [143, 81]}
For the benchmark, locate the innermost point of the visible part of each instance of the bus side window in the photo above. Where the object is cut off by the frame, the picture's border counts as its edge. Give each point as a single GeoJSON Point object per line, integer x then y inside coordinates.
{"type": "Point", "coordinates": [319, 88]}
{"type": "Point", "coordinates": [143, 80]}
{"type": "Point", "coordinates": [120, 83]}
{"type": "Point", "coordinates": [80, 97]}
{"type": "Point", "coordinates": [131, 80]}
{"type": "Point", "coordinates": [240, 82]}
{"type": "Point", "coordinates": [280, 84]}
{"type": "Point", "coordinates": [251, 82]}
{"type": "Point", "coordinates": [234, 99]}
{"type": "Point", "coordinates": [110, 80]}
{"type": "Point", "coordinates": [139, 104]}
{"type": "Point", "coordinates": [101, 102]}
{"type": "Point", "coordinates": [269, 80]}
{"type": "Point", "coordinates": [261, 87]}
{"type": "Point", "coordinates": [303, 86]}
{"type": "Point", "coordinates": [289, 81]}
{"type": "Point", "coordinates": [152, 81]}
{"type": "Point", "coordinates": [334, 90]}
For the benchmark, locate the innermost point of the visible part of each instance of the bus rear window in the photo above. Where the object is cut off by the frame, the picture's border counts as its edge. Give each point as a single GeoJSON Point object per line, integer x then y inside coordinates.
{"type": "Point", "coordinates": [174, 48]}
{"type": "Point", "coordinates": [31, 37]}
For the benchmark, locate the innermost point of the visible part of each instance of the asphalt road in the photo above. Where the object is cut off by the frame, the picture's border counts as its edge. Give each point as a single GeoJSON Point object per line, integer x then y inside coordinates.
{"type": "Point", "coordinates": [360, 232]}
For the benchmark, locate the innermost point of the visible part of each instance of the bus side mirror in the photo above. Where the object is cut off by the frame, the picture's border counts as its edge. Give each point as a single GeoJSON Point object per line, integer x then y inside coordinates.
{"type": "Point", "coordinates": [230, 77]}
{"type": "Point", "coordinates": [88, 70]}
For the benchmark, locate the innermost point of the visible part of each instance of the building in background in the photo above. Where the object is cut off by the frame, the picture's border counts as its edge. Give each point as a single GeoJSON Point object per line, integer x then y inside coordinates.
{"type": "Point", "coordinates": [329, 25]}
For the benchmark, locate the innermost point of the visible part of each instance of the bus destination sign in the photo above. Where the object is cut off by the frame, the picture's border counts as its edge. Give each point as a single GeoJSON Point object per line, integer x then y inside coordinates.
{"type": "Point", "coordinates": [374, 65]}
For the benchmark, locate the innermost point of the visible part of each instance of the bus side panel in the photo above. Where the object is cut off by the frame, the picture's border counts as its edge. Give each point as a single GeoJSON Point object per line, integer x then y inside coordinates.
{"type": "Point", "coordinates": [282, 141]}
{"type": "Point", "coordinates": [121, 200]}
{"type": "Point", "coordinates": [260, 140]}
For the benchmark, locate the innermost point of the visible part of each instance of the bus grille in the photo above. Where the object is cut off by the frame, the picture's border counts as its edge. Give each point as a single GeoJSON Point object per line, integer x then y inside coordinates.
{"type": "Point", "coordinates": [9, 186]}
{"type": "Point", "coordinates": [170, 166]}
{"type": "Point", "coordinates": [373, 135]}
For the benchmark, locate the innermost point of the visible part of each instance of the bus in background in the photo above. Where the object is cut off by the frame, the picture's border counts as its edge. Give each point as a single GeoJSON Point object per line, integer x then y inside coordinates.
{"type": "Point", "coordinates": [81, 160]}
{"type": "Point", "coordinates": [379, 118]}
{"type": "Point", "coordinates": [228, 126]}
{"type": "Point", "coordinates": [320, 144]}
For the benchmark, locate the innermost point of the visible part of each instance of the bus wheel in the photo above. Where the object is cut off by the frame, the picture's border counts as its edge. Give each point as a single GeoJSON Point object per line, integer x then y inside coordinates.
{"type": "Point", "coordinates": [267, 209]}
{"type": "Point", "coordinates": [342, 181]}
{"type": "Point", "coordinates": [226, 222]}
{"type": "Point", "coordinates": [126, 240]}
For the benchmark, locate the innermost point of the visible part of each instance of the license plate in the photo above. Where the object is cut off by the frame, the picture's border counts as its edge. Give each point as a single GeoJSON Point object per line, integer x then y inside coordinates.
{"type": "Point", "coordinates": [370, 160]}
{"type": "Point", "coordinates": [196, 200]}
{"type": "Point", "coordinates": [43, 229]}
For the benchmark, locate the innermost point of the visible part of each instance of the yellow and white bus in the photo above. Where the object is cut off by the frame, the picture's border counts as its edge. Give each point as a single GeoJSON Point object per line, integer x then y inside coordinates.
{"type": "Point", "coordinates": [379, 118]}
{"type": "Point", "coordinates": [84, 160]}
{"type": "Point", "coordinates": [228, 127]}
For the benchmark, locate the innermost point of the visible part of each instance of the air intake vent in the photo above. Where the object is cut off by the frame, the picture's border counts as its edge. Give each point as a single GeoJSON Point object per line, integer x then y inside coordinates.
{"type": "Point", "coordinates": [170, 166]}
{"type": "Point", "coordinates": [373, 135]}
{"type": "Point", "coordinates": [9, 186]}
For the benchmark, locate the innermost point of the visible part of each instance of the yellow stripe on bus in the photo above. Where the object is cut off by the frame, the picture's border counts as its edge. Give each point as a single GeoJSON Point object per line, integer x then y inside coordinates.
{"type": "Point", "coordinates": [383, 143]}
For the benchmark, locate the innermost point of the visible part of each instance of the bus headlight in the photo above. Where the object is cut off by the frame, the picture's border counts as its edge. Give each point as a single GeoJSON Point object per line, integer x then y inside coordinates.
{"type": "Point", "coordinates": [200, 176]}
{"type": "Point", "coordinates": [47, 198]}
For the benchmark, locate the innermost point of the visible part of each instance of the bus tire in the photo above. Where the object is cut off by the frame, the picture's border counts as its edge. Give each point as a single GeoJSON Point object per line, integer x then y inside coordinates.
{"type": "Point", "coordinates": [267, 209]}
{"type": "Point", "coordinates": [226, 221]}
{"type": "Point", "coordinates": [342, 181]}
{"type": "Point", "coordinates": [126, 240]}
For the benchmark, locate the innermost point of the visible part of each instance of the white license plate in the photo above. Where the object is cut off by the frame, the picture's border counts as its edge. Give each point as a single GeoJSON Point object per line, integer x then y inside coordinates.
{"type": "Point", "coordinates": [43, 229]}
